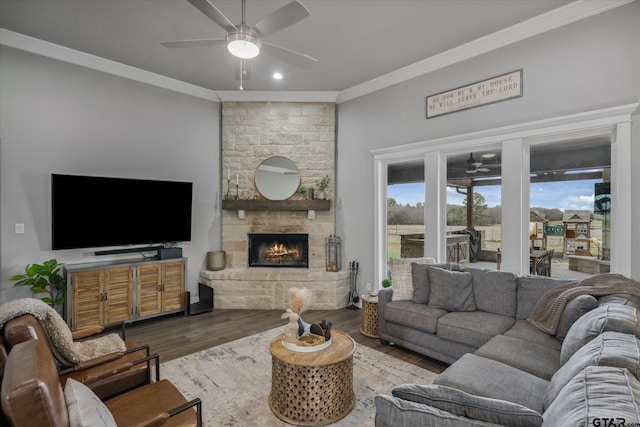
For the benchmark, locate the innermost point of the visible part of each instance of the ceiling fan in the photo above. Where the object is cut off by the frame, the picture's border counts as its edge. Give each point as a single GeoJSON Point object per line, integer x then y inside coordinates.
{"type": "Point", "coordinates": [474, 165]}
{"type": "Point", "coordinates": [246, 42]}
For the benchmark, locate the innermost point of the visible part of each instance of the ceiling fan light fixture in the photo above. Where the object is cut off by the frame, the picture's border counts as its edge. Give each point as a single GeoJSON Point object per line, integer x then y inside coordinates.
{"type": "Point", "coordinates": [243, 44]}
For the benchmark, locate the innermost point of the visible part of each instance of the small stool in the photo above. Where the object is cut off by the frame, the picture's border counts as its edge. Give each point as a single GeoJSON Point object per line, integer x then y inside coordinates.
{"type": "Point", "coordinates": [369, 325]}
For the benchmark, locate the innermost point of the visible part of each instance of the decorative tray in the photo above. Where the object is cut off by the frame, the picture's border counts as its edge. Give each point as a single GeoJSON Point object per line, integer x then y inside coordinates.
{"type": "Point", "coordinates": [305, 348]}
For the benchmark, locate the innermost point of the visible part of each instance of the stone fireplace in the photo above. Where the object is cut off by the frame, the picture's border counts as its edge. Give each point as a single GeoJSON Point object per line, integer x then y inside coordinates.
{"type": "Point", "coordinates": [251, 133]}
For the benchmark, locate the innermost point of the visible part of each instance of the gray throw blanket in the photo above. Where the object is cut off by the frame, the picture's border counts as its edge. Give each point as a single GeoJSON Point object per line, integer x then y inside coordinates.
{"type": "Point", "coordinates": [547, 311]}
{"type": "Point", "coordinates": [66, 351]}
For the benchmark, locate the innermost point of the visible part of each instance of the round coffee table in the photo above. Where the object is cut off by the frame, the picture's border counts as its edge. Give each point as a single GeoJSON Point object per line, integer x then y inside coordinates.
{"type": "Point", "coordinates": [313, 388]}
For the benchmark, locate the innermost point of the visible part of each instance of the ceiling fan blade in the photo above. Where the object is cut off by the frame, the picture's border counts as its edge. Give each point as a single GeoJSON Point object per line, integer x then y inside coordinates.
{"type": "Point", "coordinates": [213, 13]}
{"type": "Point", "coordinates": [192, 43]}
{"type": "Point", "coordinates": [301, 60]}
{"type": "Point", "coordinates": [287, 15]}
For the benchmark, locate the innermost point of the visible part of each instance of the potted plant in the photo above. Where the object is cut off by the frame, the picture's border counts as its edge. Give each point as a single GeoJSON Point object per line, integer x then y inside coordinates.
{"type": "Point", "coordinates": [44, 278]}
{"type": "Point", "coordinates": [386, 283]}
{"type": "Point", "coordinates": [323, 184]}
{"type": "Point", "coordinates": [303, 190]}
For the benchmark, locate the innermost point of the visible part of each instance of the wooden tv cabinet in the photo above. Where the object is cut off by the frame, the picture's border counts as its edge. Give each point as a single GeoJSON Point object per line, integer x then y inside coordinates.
{"type": "Point", "coordinates": [104, 293]}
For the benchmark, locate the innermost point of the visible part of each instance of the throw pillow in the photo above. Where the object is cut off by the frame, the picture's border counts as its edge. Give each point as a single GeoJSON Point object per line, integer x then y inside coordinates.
{"type": "Point", "coordinates": [451, 290]}
{"type": "Point", "coordinates": [401, 277]}
{"type": "Point", "coordinates": [420, 279]}
{"type": "Point", "coordinates": [607, 349]}
{"type": "Point", "coordinates": [467, 405]}
{"type": "Point", "coordinates": [85, 408]}
{"type": "Point", "coordinates": [608, 317]}
{"type": "Point", "coordinates": [596, 393]}
{"type": "Point", "coordinates": [574, 310]}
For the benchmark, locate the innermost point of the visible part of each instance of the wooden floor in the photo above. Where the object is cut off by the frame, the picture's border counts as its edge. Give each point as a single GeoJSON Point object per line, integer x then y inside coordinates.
{"type": "Point", "coordinates": [178, 335]}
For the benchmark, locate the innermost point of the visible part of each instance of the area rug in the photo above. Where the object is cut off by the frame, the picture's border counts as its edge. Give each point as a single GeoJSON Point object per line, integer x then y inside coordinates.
{"type": "Point", "coordinates": [233, 381]}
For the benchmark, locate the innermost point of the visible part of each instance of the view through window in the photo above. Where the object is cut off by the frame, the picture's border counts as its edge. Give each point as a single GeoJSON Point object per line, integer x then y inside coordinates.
{"type": "Point", "coordinates": [474, 231]}
{"type": "Point", "coordinates": [570, 208]}
{"type": "Point", "coordinates": [405, 210]}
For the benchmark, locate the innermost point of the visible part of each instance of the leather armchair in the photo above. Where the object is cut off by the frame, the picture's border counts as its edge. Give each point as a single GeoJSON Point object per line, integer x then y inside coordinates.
{"type": "Point", "coordinates": [107, 376]}
{"type": "Point", "coordinates": [31, 394]}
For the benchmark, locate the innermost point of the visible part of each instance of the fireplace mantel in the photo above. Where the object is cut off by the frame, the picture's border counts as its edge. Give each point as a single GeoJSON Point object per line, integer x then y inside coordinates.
{"type": "Point", "coordinates": [276, 205]}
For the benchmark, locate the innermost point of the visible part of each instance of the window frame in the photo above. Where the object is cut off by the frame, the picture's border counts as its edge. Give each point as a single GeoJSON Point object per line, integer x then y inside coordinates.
{"type": "Point", "coordinates": [515, 142]}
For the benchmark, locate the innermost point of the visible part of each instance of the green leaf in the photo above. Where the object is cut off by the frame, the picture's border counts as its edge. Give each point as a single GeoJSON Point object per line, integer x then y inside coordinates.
{"type": "Point", "coordinates": [44, 278]}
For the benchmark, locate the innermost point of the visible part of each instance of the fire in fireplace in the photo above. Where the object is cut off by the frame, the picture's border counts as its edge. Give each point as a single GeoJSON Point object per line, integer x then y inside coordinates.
{"type": "Point", "coordinates": [279, 250]}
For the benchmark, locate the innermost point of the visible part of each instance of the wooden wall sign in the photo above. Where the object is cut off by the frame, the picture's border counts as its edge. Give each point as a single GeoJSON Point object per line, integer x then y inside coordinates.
{"type": "Point", "coordinates": [500, 88]}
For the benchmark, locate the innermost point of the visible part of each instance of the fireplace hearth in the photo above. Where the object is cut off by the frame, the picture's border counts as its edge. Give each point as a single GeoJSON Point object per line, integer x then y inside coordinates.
{"type": "Point", "coordinates": [278, 250]}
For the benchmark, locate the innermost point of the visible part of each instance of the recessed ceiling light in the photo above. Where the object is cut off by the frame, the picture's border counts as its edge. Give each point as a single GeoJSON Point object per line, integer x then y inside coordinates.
{"type": "Point", "coordinates": [489, 155]}
{"type": "Point", "coordinates": [277, 76]}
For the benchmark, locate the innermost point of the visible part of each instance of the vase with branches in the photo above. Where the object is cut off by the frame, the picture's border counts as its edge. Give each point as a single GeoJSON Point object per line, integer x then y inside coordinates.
{"type": "Point", "coordinates": [323, 184]}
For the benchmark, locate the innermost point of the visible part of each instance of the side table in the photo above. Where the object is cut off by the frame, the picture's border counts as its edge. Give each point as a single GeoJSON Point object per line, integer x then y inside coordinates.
{"type": "Point", "coordinates": [369, 325]}
{"type": "Point", "coordinates": [314, 388]}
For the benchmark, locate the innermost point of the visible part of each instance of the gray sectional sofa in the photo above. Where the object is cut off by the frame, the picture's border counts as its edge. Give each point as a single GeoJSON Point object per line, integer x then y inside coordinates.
{"type": "Point", "coordinates": [505, 371]}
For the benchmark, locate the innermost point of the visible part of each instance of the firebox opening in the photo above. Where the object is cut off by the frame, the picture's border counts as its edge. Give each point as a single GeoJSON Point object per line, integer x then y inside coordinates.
{"type": "Point", "coordinates": [279, 250]}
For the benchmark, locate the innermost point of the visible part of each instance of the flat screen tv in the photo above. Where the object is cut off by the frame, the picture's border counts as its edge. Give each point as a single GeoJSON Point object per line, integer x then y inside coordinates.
{"type": "Point", "coordinates": [91, 211]}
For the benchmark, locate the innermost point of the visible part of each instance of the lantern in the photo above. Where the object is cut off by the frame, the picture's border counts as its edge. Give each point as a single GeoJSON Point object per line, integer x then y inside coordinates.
{"type": "Point", "coordinates": [332, 244]}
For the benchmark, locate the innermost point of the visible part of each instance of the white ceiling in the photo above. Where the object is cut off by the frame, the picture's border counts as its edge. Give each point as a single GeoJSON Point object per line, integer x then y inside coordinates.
{"type": "Point", "coordinates": [355, 41]}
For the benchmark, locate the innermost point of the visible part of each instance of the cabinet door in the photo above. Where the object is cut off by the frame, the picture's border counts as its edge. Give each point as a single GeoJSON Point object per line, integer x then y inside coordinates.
{"type": "Point", "coordinates": [86, 303]}
{"type": "Point", "coordinates": [148, 289]}
{"type": "Point", "coordinates": [173, 286]}
{"type": "Point", "coordinates": [118, 287]}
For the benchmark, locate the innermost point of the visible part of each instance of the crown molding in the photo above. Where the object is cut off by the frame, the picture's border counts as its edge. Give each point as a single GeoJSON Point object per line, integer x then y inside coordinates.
{"type": "Point", "coordinates": [276, 96]}
{"type": "Point", "coordinates": [568, 14]}
{"type": "Point", "coordinates": [76, 57]}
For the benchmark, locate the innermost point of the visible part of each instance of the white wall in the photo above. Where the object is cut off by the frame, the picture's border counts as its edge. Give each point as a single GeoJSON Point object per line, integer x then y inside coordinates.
{"type": "Point", "coordinates": [588, 65]}
{"type": "Point", "coordinates": [61, 118]}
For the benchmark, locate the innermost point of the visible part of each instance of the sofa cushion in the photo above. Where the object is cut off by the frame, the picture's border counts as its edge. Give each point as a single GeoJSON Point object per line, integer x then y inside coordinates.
{"type": "Point", "coordinates": [530, 289]}
{"type": "Point", "coordinates": [608, 317]}
{"type": "Point", "coordinates": [595, 393]}
{"type": "Point", "coordinates": [574, 310]}
{"type": "Point", "coordinates": [418, 316]}
{"type": "Point", "coordinates": [467, 405]}
{"type": "Point", "coordinates": [395, 412]}
{"type": "Point", "coordinates": [488, 378]}
{"type": "Point", "coordinates": [472, 327]}
{"type": "Point", "coordinates": [536, 359]}
{"type": "Point", "coordinates": [623, 299]}
{"type": "Point", "coordinates": [420, 278]}
{"type": "Point", "coordinates": [451, 290]}
{"type": "Point", "coordinates": [526, 331]}
{"type": "Point", "coordinates": [607, 349]}
{"type": "Point", "coordinates": [401, 276]}
{"type": "Point", "coordinates": [85, 409]}
{"type": "Point", "coordinates": [494, 291]}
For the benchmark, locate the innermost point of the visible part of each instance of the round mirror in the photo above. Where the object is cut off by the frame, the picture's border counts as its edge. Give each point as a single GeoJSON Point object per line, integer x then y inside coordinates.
{"type": "Point", "coordinates": [277, 178]}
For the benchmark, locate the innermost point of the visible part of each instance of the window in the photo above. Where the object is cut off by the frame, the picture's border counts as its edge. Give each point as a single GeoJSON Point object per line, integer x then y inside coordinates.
{"type": "Point", "coordinates": [405, 210]}
{"type": "Point", "coordinates": [519, 148]}
{"type": "Point", "coordinates": [565, 217]}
